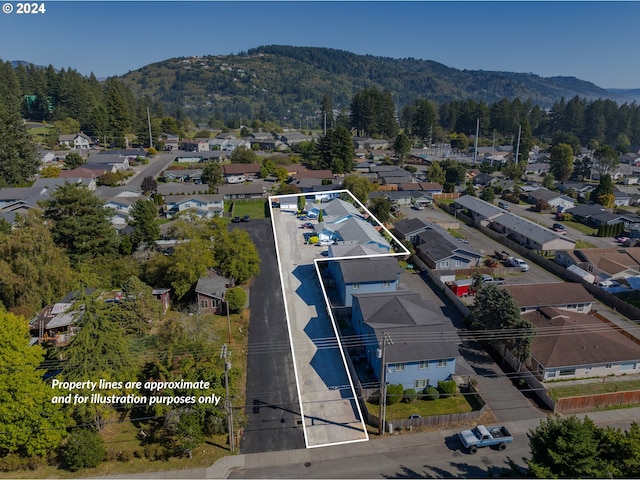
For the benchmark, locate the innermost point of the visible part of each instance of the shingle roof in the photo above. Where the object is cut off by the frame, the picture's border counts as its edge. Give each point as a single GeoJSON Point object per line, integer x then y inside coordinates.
{"type": "Point", "coordinates": [579, 339]}
{"type": "Point", "coordinates": [362, 270]}
{"type": "Point", "coordinates": [548, 294]}
{"type": "Point", "coordinates": [212, 285]}
{"type": "Point", "coordinates": [410, 225]}
{"type": "Point", "coordinates": [406, 317]}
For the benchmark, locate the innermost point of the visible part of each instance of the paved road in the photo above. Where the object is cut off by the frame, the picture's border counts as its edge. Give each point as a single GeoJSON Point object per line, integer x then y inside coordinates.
{"type": "Point", "coordinates": [272, 401]}
{"type": "Point", "coordinates": [156, 165]}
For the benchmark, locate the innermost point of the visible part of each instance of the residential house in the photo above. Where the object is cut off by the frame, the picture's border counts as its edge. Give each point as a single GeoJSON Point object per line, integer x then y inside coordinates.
{"type": "Point", "coordinates": [409, 229]}
{"type": "Point", "coordinates": [246, 191]}
{"type": "Point", "coordinates": [327, 175]}
{"type": "Point", "coordinates": [440, 251]}
{"type": "Point", "coordinates": [296, 138]}
{"type": "Point", "coordinates": [554, 199]}
{"type": "Point", "coordinates": [121, 207]}
{"type": "Point", "coordinates": [55, 323]}
{"type": "Point", "coordinates": [415, 357]}
{"type": "Point", "coordinates": [531, 235]}
{"type": "Point", "coordinates": [197, 145]}
{"type": "Point", "coordinates": [582, 346]}
{"type": "Point", "coordinates": [207, 205]}
{"type": "Point", "coordinates": [75, 141]}
{"type": "Point", "coordinates": [363, 275]}
{"type": "Point", "coordinates": [480, 211]}
{"type": "Point", "coordinates": [400, 198]}
{"type": "Point", "coordinates": [109, 160]}
{"type": "Point", "coordinates": [81, 172]}
{"type": "Point", "coordinates": [182, 188]}
{"type": "Point", "coordinates": [563, 295]}
{"type": "Point", "coordinates": [171, 142]}
{"type": "Point", "coordinates": [370, 144]}
{"type": "Point", "coordinates": [610, 263]}
{"type": "Point", "coordinates": [210, 292]}
{"type": "Point", "coordinates": [352, 231]}
{"type": "Point", "coordinates": [537, 168]}
{"type": "Point", "coordinates": [249, 170]}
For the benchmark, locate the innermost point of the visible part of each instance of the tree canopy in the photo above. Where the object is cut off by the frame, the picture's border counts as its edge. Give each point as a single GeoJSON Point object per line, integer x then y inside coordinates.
{"type": "Point", "coordinates": [30, 423]}
{"type": "Point", "coordinates": [80, 222]}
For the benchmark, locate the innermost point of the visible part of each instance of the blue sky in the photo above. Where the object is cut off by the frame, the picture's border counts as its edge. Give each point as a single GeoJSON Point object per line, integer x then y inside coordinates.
{"type": "Point", "coordinates": [594, 41]}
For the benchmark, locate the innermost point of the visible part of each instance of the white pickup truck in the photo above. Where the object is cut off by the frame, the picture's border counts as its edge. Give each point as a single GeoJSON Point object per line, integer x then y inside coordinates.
{"type": "Point", "coordinates": [518, 262]}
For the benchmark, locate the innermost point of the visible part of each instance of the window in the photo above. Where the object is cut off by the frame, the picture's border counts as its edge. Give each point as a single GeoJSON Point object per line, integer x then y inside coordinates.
{"type": "Point", "coordinates": [423, 365]}
{"type": "Point", "coordinates": [567, 372]}
{"type": "Point", "coordinates": [580, 307]}
{"type": "Point", "coordinates": [385, 284]}
{"type": "Point", "coordinates": [399, 367]}
{"type": "Point", "coordinates": [444, 264]}
{"type": "Point", "coordinates": [625, 367]}
{"type": "Point", "coordinates": [458, 263]}
{"type": "Point", "coordinates": [421, 384]}
{"type": "Point", "coordinates": [356, 286]}
{"type": "Point", "coordinates": [204, 303]}
{"type": "Point", "coordinates": [442, 362]}
{"type": "Point", "coordinates": [608, 365]}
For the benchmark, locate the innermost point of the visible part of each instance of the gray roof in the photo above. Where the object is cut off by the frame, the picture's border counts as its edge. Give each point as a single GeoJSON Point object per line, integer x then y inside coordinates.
{"type": "Point", "coordinates": [249, 188]}
{"type": "Point", "coordinates": [175, 188]}
{"type": "Point", "coordinates": [478, 206]}
{"type": "Point", "coordinates": [410, 225]}
{"type": "Point", "coordinates": [213, 285]}
{"type": "Point", "coordinates": [528, 229]}
{"type": "Point", "coordinates": [407, 318]}
{"type": "Point", "coordinates": [359, 231]}
{"type": "Point", "coordinates": [363, 270]}
{"type": "Point", "coordinates": [439, 245]}
{"type": "Point", "coordinates": [355, 250]}
{"type": "Point", "coordinates": [338, 208]}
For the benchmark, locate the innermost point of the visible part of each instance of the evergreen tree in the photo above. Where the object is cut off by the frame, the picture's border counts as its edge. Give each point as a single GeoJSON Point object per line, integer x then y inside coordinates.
{"type": "Point", "coordinates": [561, 162]}
{"type": "Point", "coordinates": [18, 161]}
{"type": "Point", "coordinates": [80, 222]}
{"type": "Point", "coordinates": [212, 176]}
{"type": "Point", "coordinates": [143, 219]}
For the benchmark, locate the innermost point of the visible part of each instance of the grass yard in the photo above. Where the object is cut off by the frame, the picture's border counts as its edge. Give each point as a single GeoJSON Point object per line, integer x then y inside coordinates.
{"type": "Point", "coordinates": [425, 408]}
{"type": "Point", "coordinates": [581, 244]}
{"type": "Point", "coordinates": [582, 227]}
{"type": "Point", "coordinates": [609, 386]}
{"type": "Point", "coordinates": [253, 208]}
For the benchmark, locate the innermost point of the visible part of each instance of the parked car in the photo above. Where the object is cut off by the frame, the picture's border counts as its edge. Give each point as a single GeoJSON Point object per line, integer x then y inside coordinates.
{"type": "Point", "coordinates": [306, 225]}
{"type": "Point", "coordinates": [236, 220]}
{"type": "Point", "coordinates": [559, 228]}
{"type": "Point", "coordinates": [417, 206]}
{"type": "Point", "coordinates": [482, 436]}
{"type": "Point", "coordinates": [489, 280]}
{"type": "Point", "coordinates": [518, 262]}
{"type": "Point", "coordinates": [246, 218]}
{"type": "Point", "coordinates": [504, 205]}
{"type": "Point", "coordinates": [325, 242]}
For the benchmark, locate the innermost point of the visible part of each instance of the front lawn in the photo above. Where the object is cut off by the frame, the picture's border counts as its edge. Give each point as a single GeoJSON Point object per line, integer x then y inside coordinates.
{"type": "Point", "coordinates": [253, 208]}
{"type": "Point", "coordinates": [425, 408]}
{"type": "Point", "coordinates": [597, 387]}
{"type": "Point", "coordinates": [587, 230]}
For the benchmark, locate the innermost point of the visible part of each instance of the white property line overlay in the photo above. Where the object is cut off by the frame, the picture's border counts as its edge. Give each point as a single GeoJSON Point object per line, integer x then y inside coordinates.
{"type": "Point", "coordinates": [328, 307]}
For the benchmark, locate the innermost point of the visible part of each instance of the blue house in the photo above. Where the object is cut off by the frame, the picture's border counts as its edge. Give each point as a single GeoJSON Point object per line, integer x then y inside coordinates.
{"type": "Point", "coordinates": [364, 275]}
{"type": "Point", "coordinates": [423, 346]}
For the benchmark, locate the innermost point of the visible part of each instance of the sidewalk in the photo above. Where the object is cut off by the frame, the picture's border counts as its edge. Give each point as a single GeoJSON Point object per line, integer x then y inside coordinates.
{"type": "Point", "coordinates": [375, 446]}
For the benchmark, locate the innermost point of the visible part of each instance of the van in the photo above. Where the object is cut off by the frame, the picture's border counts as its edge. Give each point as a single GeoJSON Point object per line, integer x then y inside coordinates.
{"type": "Point", "coordinates": [503, 205]}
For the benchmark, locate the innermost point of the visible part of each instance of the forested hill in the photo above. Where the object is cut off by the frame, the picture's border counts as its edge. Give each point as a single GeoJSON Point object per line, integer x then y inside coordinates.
{"type": "Point", "coordinates": [288, 83]}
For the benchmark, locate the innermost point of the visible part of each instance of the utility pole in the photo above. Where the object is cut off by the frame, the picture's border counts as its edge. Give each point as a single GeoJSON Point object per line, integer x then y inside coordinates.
{"type": "Point", "coordinates": [224, 354]}
{"type": "Point", "coordinates": [518, 145]}
{"type": "Point", "coordinates": [386, 340]}
{"type": "Point", "coordinates": [228, 320]}
{"type": "Point", "coordinates": [475, 147]}
{"type": "Point", "coordinates": [150, 135]}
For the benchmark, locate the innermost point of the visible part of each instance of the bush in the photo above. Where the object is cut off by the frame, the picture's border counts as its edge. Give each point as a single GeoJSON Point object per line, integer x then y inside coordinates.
{"type": "Point", "coordinates": [394, 394]}
{"type": "Point", "coordinates": [430, 393]}
{"type": "Point", "coordinates": [410, 395]}
{"type": "Point", "coordinates": [236, 297]}
{"type": "Point", "coordinates": [85, 449]}
{"type": "Point", "coordinates": [447, 388]}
